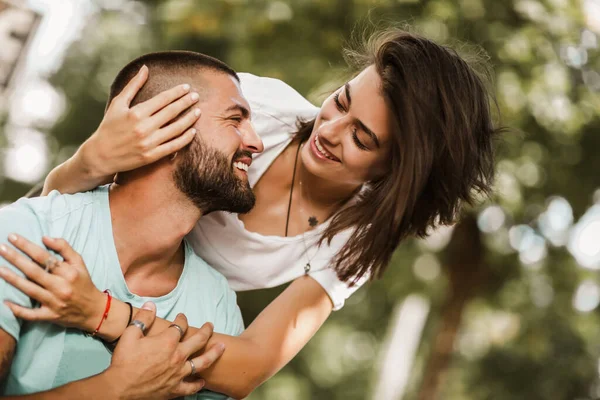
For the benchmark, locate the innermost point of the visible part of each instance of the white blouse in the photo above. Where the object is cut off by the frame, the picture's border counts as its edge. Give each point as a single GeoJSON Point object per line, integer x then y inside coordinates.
{"type": "Point", "coordinates": [250, 260]}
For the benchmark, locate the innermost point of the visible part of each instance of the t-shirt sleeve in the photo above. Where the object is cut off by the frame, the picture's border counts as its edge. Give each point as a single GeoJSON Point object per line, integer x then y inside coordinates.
{"type": "Point", "coordinates": [337, 290]}
{"type": "Point", "coordinates": [20, 219]}
{"type": "Point", "coordinates": [228, 315]}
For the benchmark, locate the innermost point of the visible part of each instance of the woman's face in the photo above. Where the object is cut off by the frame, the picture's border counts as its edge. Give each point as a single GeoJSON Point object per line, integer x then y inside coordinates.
{"type": "Point", "coordinates": [350, 141]}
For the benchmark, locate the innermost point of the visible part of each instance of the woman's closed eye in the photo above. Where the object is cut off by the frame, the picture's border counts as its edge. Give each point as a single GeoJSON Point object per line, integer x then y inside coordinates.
{"type": "Point", "coordinates": [357, 141]}
{"type": "Point", "coordinates": [342, 108]}
{"type": "Point", "coordinates": [338, 103]}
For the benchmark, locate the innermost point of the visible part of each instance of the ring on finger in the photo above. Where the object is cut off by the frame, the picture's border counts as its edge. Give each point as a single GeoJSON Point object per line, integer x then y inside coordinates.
{"type": "Point", "coordinates": [51, 263]}
{"type": "Point", "coordinates": [181, 332]}
{"type": "Point", "coordinates": [139, 324]}
{"type": "Point", "coordinates": [193, 371]}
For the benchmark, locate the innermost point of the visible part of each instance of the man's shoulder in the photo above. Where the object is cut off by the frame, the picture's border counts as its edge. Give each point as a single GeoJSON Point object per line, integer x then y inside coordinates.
{"type": "Point", "coordinates": [209, 274]}
{"type": "Point", "coordinates": [219, 300]}
{"type": "Point", "coordinates": [51, 207]}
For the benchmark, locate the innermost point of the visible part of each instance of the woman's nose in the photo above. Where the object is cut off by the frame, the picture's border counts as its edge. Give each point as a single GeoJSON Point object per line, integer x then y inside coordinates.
{"type": "Point", "coordinates": [332, 130]}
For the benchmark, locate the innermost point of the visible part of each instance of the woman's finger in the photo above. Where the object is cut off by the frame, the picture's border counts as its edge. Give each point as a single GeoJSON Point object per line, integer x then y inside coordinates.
{"type": "Point", "coordinates": [146, 315]}
{"type": "Point", "coordinates": [161, 100]}
{"type": "Point", "coordinates": [189, 387]}
{"type": "Point", "coordinates": [62, 247]}
{"type": "Point", "coordinates": [132, 88]}
{"type": "Point", "coordinates": [172, 145]}
{"type": "Point", "coordinates": [169, 113]}
{"type": "Point", "coordinates": [175, 128]}
{"type": "Point", "coordinates": [207, 359]}
{"type": "Point", "coordinates": [182, 323]}
{"type": "Point", "coordinates": [197, 342]}
{"type": "Point", "coordinates": [31, 314]}
{"type": "Point", "coordinates": [31, 289]}
{"type": "Point", "coordinates": [31, 270]}
{"type": "Point", "coordinates": [35, 252]}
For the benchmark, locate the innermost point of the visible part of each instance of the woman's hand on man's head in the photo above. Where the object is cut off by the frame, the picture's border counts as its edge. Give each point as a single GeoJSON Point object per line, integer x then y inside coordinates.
{"type": "Point", "coordinates": [130, 137]}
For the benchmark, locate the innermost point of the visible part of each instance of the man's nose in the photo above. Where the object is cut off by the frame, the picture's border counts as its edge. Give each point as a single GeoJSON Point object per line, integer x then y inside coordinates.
{"type": "Point", "coordinates": [250, 140]}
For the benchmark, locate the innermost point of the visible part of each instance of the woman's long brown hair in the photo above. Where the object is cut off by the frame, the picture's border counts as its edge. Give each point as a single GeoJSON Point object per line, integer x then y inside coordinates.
{"type": "Point", "coordinates": [441, 155]}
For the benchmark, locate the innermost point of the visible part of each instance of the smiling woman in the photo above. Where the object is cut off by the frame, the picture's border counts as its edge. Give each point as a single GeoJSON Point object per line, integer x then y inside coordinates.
{"type": "Point", "coordinates": [413, 142]}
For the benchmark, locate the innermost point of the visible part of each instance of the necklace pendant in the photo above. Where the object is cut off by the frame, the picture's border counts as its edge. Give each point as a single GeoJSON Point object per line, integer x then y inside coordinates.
{"type": "Point", "coordinates": [313, 221]}
{"type": "Point", "coordinates": [307, 268]}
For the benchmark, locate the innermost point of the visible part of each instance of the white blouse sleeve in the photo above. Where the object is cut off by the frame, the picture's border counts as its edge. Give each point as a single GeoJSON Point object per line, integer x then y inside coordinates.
{"type": "Point", "coordinates": [326, 275]}
{"type": "Point", "coordinates": [274, 103]}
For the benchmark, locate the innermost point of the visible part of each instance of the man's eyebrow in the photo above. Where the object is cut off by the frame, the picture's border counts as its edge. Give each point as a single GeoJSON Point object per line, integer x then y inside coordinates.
{"type": "Point", "coordinates": [360, 123]}
{"type": "Point", "coordinates": [237, 107]}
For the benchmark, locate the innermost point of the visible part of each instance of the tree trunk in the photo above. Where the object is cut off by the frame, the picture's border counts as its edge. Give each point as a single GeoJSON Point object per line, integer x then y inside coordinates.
{"type": "Point", "coordinates": [465, 270]}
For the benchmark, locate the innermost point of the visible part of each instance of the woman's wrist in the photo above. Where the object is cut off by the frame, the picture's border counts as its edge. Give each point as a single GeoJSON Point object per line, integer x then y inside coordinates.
{"type": "Point", "coordinates": [92, 319]}
{"type": "Point", "coordinates": [86, 161]}
{"type": "Point", "coordinates": [116, 321]}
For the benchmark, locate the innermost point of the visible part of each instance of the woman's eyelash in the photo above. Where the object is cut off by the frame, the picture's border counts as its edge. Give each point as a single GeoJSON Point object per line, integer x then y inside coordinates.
{"type": "Point", "coordinates": [338, 104]}
{"type": "Point", "coordinates": [340, 107]}
{"type": "Point", "coordinates": [357, 142]}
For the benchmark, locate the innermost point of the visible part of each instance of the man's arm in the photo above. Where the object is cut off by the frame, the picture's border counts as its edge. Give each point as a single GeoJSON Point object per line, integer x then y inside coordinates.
{"type": "Point", "coordinates": [99, 386]}
{"type": "Point", "coordinates": [143, 367]}
{"type": "Point", "coordinates": [7, 352]}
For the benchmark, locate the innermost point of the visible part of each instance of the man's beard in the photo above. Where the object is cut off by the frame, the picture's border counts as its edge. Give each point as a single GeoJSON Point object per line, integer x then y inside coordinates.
{"type": "Point", "coordinates": [207, 178]}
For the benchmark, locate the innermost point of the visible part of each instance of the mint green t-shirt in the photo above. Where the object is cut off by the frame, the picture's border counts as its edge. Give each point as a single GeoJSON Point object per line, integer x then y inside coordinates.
{"type": "Point", "coordinates": [49, 356]}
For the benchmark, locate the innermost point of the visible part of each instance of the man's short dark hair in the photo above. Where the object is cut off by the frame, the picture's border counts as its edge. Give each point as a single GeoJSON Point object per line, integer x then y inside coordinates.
{"type": "Point", "coordinates": [166, 70]}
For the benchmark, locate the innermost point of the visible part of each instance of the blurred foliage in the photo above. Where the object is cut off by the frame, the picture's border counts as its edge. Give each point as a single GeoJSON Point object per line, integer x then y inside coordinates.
{"type": "Point", "coordinates": [514, 328]}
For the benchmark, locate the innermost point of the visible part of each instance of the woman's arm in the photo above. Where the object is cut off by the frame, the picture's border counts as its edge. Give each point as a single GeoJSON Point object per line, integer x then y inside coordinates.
{"type": "Point", "coordinates": [279, 332]}
{"type": "Point", "coordinates": [68, 297]}
{"type": "Point", "coordinates": [129, 137]}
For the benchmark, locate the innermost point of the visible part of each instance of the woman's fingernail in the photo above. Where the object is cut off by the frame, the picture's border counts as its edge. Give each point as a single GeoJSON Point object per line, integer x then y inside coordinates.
{"type": "Point", "coordinates": [221, 346]}
{"type": "Point", "coordinates": [197, 112]}
{"type": "Point", "coordinates": [12, 237]}
{"type": "Point", "coordinates": [186, 87]}
{"type": "Point", "coordinates": [195, 96]}
{"type": "Point", "coordinates": [148, 306]}
{"type": "Point", "coordinates": [193, 130]}
{"type": "Point", "coordinates": [3, 249]}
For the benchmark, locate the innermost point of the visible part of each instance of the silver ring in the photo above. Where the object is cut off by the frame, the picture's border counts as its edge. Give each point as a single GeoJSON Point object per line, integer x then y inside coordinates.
{"type": "Point", "coordinates": [139, 324]}
{"type": "Point", "coordinates": [50, 264]}
{"type": "Point", "coordinates": [181, 332]}
{"type": "Point", "coordinates": [193, 368]}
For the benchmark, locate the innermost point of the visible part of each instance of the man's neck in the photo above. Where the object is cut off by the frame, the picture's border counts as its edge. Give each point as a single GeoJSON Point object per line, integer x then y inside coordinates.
{"type": "Point", "coordinates": [150, 217]}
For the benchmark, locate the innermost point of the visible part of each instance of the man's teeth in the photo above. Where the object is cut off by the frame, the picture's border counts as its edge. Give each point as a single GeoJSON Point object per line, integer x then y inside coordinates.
{"type": "Point", "coordinates": [241, 165]}
{"type": "Point", "coordinates": [324, 152]}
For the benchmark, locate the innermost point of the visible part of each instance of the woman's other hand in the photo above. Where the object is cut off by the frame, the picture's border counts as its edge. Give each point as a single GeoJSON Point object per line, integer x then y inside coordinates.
{"type": "Point", "coordinates": [159, 367]}
{"type": "Point", "coordinates": [67, 295]}
{"type": "Point", "coordinates": [131, 137]}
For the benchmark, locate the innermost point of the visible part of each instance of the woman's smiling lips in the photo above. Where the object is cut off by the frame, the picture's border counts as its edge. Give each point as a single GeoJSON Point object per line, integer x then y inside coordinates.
{"type": "Point", "coordinates": [320, 151]}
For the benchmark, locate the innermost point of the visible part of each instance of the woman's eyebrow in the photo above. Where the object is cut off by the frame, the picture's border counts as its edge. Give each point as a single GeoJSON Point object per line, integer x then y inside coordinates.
{"type": "Point", "coordinates": [365, 128]}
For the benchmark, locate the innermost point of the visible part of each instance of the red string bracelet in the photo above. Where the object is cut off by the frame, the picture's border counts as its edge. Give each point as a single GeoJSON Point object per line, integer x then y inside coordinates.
{"type": "Point", "coordinates": [106, 310]}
